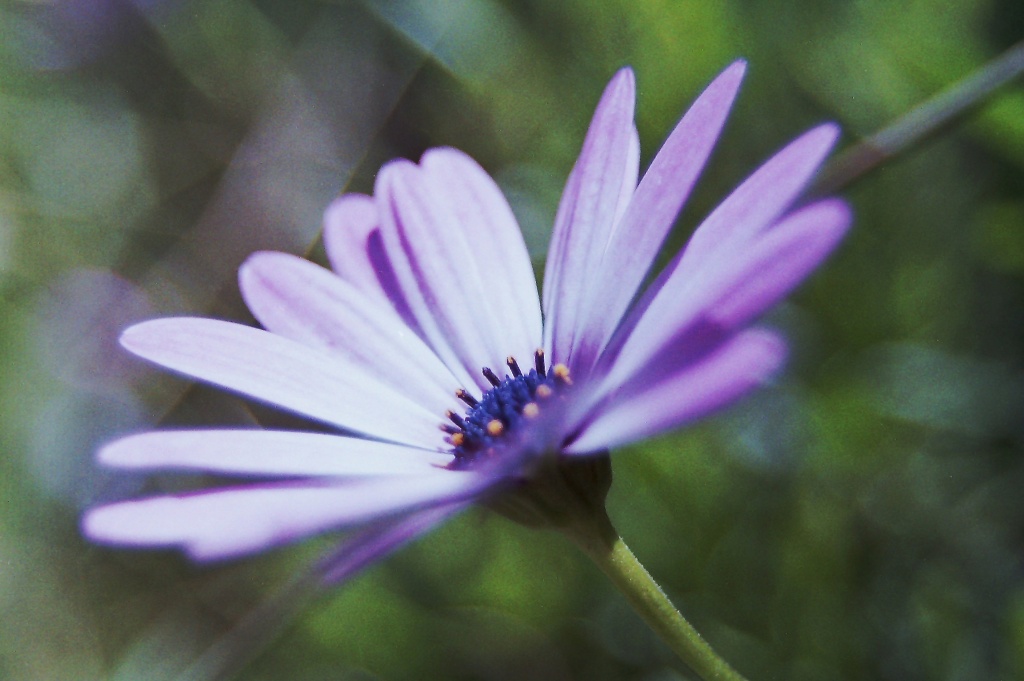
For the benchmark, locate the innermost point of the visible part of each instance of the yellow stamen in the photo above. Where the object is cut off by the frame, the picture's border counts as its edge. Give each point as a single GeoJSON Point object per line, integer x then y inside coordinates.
{"type": "Point", "coordinates": [561, 372]}
{"type": "Point", "coordinates": [495, 427]}
{"type": "Point", "coordinates": [531, 410]}
{"type": "Point", "coordinates": [458, 439]}
{"type": "Point", "coordinates": [543, 391]}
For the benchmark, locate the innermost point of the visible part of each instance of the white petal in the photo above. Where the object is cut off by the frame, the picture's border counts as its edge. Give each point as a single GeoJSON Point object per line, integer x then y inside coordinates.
{"type": "Point", "coordinates": [496, 247]}
{"type": "Point", "coordinates": [232, 522]}
{"type": "Point", "coordinates": [731, 291]}
{"type": "Point", "coordinates": [761, 200]}
{"type": "Point", "coordinates": [297, 299]}
{"type": "Point", "coordinates": [349, 223]}
{"type": "Point", "coordinates": [438, 273]}
{"type": "Point", "coordinates": [595, 195]}
{"type": "Point", "coordinates": [630, 249]}
{"type": "Point", "coordinates": [280, 371]}
{"type": "Point", "coordinates": [269, 452]}
{"type": "Point", "coordinates": [685, 395]}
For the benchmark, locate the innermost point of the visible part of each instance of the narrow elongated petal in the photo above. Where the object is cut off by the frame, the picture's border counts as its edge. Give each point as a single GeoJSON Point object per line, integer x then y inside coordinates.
{"type": "Point", "coordinates": [684, 395]}
{"type": "Point", "coordinates": [311, 382]}
{"type": "Point", "coordinates": [297, 299]}
{"type": "Point", "coordinates": [442, 279]}
{"type": "Point", "coordinates": [732, 291]}
{"type": "Point", "coordinates": [631, 247]}
{"type": "Point", "coordinates": [776, 264]}
{"type": "Point", "coordinates": [761, 199]}
{"type": "Point", "coordinates": [745, 213]}
{"type": "Point", "coordinates": [495, 245]}
{"type": "Point", "coordinates": [593, 200]}
{"type": "Point", "coordinates": [232, 522]}
{"type": "Point", "coordinates": [269, 453]}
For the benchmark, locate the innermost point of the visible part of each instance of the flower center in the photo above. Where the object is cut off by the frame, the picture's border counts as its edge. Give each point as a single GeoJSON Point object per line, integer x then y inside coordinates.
{"type": "Point", "coordinates": [512, 399]}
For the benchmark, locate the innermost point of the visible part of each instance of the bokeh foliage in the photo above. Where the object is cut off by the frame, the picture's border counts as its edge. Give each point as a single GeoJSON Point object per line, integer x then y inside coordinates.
{"type": "Point", "coordinates": [861, 518]}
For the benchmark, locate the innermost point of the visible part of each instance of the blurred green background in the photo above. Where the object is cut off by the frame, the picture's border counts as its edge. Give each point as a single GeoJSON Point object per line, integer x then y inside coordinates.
{"type": "Point", "coordinates": [861, 518]}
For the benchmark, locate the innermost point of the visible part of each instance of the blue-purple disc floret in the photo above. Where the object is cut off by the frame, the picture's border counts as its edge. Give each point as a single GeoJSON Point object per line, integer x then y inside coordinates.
{"type": "Point", "coordinates": [499, 412]}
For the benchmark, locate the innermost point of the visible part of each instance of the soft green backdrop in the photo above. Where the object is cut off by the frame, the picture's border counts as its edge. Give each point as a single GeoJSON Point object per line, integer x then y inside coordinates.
{"type": "Point", "coordinates": [861, 518]}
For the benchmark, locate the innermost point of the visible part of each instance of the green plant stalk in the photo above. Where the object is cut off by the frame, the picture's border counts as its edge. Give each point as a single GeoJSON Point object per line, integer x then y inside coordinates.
{"type": "Point", "coordinates": [921, 123]}
{"type": "Point", "coordinates": [600, 541]}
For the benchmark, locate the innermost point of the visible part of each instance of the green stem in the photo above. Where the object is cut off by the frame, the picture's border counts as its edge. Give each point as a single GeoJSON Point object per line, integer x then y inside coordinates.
{"type": "Point", "coordinates": [605, 547]}
{"type": "Point", "coordinates": [921, 122]}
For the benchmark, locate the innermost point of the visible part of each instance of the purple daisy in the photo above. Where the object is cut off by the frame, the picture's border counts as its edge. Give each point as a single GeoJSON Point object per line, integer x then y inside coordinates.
{"type": "Point", "coordinates": [431, 316]}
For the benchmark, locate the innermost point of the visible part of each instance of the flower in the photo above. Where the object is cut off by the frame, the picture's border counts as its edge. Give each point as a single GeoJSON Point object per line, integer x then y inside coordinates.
{"type": "Point", "coordinates": [432, 315]}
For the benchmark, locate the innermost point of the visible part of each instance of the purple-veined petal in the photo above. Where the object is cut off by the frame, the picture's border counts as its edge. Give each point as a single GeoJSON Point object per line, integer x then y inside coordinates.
{"type": "Point", "coordinates": [761, 199]}
{"type": "Point", "coordinates": [733, 290]}
{"type": "Point", "coordinates": [751, 208]}
{"type": "Point", "coordinates": [592, 201]}
{"type": "Point", "coordinates": [777, 263]}
{"type": "Point", "coordinates": [297, 299]}
{"type": "Point", "coordinates": [381, 539]}
{"type": "Point", "coordinates": [309, 381]}
{"type": "Point", "coordinates": [232, 522]}
{"type": "Point", "coordinates": [440, 276]}
{"type": "Point", "coordinates": [348, 223]}
{"type": "Point", "coordinates": [631, 247]}
{"type": "Point", "coordinates": [631, 175]}
{"type": "Point", "coordinates": [355, 249]}
{"type": "Point", "coordinates": [269, 453]}
{"type": "Point", "coordinates": [684, 395]}
{"type": "Point", "coordinates": [495, 244]}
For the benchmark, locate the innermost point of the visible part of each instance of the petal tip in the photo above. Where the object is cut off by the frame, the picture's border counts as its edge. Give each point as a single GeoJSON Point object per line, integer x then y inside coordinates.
{"type": "Point", "coordinates": [120, 453]}
{"type": "Point", "coordinates": [833, 214]}
{"type": "Point", "coordinates": [828, 133]}
{"type": "Point", "coordinates": [102, 525]}
{"type": "Point", "coordinates": [445, 152]}
{"type": "Point", "coordinates": [254, 265]}
{"type": "Point", "coordinates": [88, 524]}
{"type": "Point", "coordinates": [842, 211]}
{"type": "Point", "coordinates": [620, 91]}
{"type": "Point", "coordinates": [262, 256]}
{"type": "Point", "coordinates": [732, 75]}
{"type": "Point", "coordinates": [346, 203]}
{"type": "Point", "coordinates": [108, 454]}
{"type": "Point", "coordinates": [133, 339]}
{"type": "Point", "coordinates": [625, 76]}
{"type": "Point", "coordinates": [738, 68]}
{"type": "Point", "coordinates": [164, 333]}
{"type": "Point", "coordinates": [773, 347]}
{"type": "Point", "coordinates": [388, 175]}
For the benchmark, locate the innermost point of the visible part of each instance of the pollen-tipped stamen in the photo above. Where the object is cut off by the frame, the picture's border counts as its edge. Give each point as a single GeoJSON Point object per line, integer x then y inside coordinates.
{"type": "Point", "coordinates": [466, 397]}
{"type": "Point", "coordinates": [493, 418]}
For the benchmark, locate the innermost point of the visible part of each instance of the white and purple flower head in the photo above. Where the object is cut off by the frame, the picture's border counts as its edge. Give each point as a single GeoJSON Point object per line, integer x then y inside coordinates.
{"type": "Point", "coordinates": [431, 316]}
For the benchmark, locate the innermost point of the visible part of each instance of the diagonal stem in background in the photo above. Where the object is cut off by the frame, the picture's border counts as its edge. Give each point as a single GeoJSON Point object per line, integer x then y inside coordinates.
{"type": "Point", "coordinates": [921, 123]}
